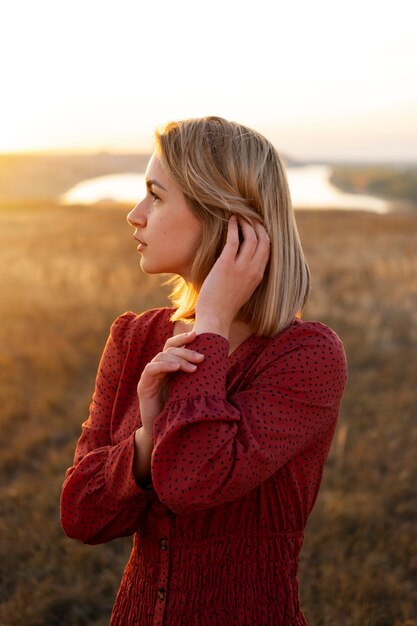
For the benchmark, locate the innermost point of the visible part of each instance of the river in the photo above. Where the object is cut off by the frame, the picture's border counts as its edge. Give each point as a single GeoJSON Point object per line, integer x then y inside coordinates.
{"type": "Point", "coordinates": [309, 186]}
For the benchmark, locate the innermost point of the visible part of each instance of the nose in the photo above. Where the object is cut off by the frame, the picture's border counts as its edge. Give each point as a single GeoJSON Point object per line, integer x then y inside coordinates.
{"type": "Point", "coordinates": [137, 216]}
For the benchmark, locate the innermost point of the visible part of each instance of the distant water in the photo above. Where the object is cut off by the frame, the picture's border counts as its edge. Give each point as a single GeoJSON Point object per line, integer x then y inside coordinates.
{"type": "Point", "coordinates": [127, 188]}
{"type": "Point", "coordinates": [309, 185]}
{"type": "Point", "coordinates": [310, 188]}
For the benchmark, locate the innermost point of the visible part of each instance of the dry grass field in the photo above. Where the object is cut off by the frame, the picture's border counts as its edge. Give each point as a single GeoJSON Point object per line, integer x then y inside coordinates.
{"type": "Point", "coordinates": [66, 273]}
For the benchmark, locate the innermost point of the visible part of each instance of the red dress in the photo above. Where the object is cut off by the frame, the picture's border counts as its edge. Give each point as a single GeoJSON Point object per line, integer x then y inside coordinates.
{"type": "Point", "coordinates": [238, 456]}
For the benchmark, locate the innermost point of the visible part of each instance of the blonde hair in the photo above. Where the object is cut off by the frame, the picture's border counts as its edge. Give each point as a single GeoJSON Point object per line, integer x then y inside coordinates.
{"type": "Point", "coordinates": [224, 168]}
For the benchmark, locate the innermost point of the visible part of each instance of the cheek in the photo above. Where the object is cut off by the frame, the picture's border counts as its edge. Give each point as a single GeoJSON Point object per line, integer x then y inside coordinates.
{"type": "Point", "coordinates": [194, 234]}
{"type": "Point", "coordinates": [196, 243]}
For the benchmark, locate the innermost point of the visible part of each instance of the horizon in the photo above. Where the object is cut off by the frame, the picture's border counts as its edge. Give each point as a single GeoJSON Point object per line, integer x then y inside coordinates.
{"type": "Point", "coordinates": [295, 159]}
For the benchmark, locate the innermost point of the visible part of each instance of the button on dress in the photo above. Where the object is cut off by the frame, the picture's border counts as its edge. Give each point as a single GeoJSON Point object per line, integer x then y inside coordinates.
{"type": "Point", "coordinates": [238, 456]}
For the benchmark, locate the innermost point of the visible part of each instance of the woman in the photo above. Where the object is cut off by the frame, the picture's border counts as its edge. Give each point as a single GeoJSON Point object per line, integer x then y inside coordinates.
{"type": "Point", "coordinates": [211, 420]}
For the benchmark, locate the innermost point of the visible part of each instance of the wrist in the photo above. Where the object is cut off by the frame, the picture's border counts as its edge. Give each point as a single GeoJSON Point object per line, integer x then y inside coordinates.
{"type": "Point", "coordinates": [142, 459]}
{"type": "Point", "coordinates": [144, 437]}
{"type": "Point", "coordinates": [210, 324]}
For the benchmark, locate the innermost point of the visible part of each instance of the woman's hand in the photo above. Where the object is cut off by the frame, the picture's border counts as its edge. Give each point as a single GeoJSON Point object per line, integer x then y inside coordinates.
{"type": "Point", "coordinates": [174, 357]}
{"type": "Point", "coordinates": [234, 276]}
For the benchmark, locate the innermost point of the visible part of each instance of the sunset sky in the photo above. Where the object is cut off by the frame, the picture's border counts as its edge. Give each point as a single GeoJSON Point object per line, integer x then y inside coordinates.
{"type": "Point", "coordinates": [323, 79]}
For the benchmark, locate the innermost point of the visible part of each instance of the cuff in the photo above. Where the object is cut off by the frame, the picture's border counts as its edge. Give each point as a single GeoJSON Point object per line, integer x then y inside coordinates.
{"type": "Point", "coordinates": [120, 479]}
{"type": "Point", "coordinates": [209, 379]}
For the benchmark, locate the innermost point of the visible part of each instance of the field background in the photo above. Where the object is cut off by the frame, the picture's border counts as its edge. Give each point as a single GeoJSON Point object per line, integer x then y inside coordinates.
{"type": "Point", "coordinates": [67, 273]}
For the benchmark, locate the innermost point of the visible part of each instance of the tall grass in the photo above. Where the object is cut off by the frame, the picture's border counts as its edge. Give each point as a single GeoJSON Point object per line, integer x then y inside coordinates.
{"type": "Point", "coordinates": [66, 273]}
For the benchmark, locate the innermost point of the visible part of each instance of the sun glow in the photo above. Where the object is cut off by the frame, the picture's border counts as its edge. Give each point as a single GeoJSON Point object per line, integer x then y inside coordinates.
{"type": "Point", "coordinates": [91, 76]}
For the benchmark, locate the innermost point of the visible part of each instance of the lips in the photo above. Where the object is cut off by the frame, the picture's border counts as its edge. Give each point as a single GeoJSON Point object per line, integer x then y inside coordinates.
{"type": "Point", "coordinates": [141, 245]}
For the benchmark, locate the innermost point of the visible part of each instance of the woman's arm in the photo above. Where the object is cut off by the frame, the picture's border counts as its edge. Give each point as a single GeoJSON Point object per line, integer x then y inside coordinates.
{"type": "Point", "coordinates": [210, 449]}
{"type": "Point", "coordinates": [100, 497]}
{"type": "Point", "coordinates": [142, 462]}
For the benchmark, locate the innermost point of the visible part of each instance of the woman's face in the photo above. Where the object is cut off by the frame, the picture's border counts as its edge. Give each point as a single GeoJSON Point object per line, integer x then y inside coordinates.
{"type": "Point", "coordinates": [166, 225]}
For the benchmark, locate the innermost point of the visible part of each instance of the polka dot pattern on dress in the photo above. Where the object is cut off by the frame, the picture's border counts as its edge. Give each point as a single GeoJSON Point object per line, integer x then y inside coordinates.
{"type": "Point", "coordinates": [239, 451]}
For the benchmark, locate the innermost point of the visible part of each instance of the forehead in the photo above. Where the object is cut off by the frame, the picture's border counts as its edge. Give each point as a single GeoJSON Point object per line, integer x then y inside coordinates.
{"type": "Point", "coordinates": [155, 170]}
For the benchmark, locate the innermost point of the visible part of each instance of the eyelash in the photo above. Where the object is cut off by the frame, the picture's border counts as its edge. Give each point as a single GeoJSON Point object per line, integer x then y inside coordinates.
{"type": "Point", "coordinates": [154, 196]}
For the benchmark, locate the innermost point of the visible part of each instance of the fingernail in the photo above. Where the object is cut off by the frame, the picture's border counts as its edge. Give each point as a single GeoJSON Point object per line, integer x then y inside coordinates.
{"type": "Point", "coordinates": [190, 333]}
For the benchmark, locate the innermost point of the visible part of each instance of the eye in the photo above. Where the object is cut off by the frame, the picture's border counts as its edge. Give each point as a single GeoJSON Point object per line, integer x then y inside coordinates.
{"type": "Point", "coordinates": [154, 196]}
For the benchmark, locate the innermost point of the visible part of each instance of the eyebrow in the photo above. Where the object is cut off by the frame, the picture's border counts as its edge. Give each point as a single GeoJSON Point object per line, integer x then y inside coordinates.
{"type": "Point", "coordinates": [152, 181]}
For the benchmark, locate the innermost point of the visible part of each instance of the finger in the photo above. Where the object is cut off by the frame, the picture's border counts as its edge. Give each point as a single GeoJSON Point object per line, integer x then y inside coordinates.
{"type": "Point", "coordinates": [184, 353]}
{"type": "Point", "coordinates": [250, 241]}
{"type": "Point", "coordinates": [232, 239]}
{"type": "Point", "coordinates": [264, 241]}
{"type": "Point", "coordinates": [175, 363]}
{"type": "Point", "coordinates": [158, 368]}
{"type": "Point", "coordinates": [180, 340]}
{"type": "Point", "coordinates": [263, 249]}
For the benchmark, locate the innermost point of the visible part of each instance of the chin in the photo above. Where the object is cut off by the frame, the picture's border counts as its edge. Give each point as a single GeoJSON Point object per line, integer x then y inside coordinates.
{"type": "Point", "coordinates": [150, 268]}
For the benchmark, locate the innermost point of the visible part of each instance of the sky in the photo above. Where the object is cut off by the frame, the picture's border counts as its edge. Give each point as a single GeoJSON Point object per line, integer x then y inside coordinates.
{"type": "Point", "coordinates": [322, 80]}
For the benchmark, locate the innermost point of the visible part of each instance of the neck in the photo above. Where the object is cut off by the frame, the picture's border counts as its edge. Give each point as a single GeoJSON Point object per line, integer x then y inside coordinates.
{"type": "Point", "coordinates": [239, 330]}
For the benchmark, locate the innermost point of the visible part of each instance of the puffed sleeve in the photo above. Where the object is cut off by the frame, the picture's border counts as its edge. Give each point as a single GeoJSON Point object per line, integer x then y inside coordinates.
{"type": "Point", "coordinates": [210, 449]}
{"type": "Point", "coordinates": [100, 498]}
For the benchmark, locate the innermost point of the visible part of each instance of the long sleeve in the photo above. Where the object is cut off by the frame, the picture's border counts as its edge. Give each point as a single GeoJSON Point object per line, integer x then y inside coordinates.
{"type": "Point", "coordinates": [100, 498]}
{"type": "Point", "coordinates": [210, 449]}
